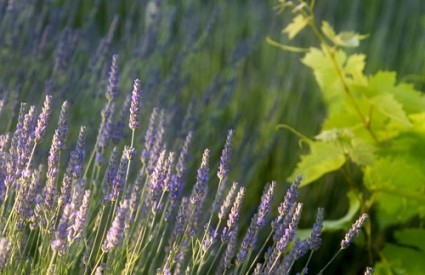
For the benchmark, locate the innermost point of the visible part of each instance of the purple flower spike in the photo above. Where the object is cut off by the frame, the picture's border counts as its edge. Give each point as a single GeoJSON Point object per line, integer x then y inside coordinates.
{"type": "Point", "coordinates": [120, 176]}
{"type": "Point", "coordinates": [201, 184]}
{"type": "Point", "coordinates": [354, 231]}
{"type": "Point", "coordinates": [43, 119]}
{"type": "Point", "coordinates": [112, 89]}
{"type": "Point", "coordinates": [116, 232]}
{"type": "Point", "coordinates": [236, 208]}
{"type": "Point", "coordinates": [81, 217]}
{"type": "Point", "coordinates": [226, 154]}
{"type": "Point", "coordinates": [264, 207]}
{"type": "Point", "coordinates": [315, 240]}
{"type": "Point", "coordinates": [135, 106]}
{"type": "Point", "coordinates": [224, 209]}
{"type": "Point", "coordinates": [290, 197]}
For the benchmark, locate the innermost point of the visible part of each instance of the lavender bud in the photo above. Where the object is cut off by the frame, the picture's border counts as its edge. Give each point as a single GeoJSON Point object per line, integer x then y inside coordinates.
{"type": "Point", "coordinates": [290, 197]}
{"type": "Point", "coordinates": [116, 232]}
{"type": "Point", "coordinates": [112, 89]}
{"type": "Point", "coordinates": [315, 240]}
{"type": "Point", "coordinates": [201, 184]}
{"type": "Point", "coordinates": [118, 129]}
{"type": "Point", "coordinates": [60, 243]}
{"type": "Point", "coordinates": [43, 119]}
{"type": "Point", "coordinates": [230, 250]}
{"type": "Point", "coordinates": [135, 106]}
{"type": "Point", "coordinates": [81, 217]}
{"type": "Point", "coordinates": [120, 177]}
{"type": "Point", "coordinates": [354, 231]}
{"type": "Point", "coordinates": [236, 208]}
{"type": "Point", "coordinates": [264, 207]}
{"type": "Point", "coordinates": [226, 154]}
{"type": "Point", "coordinates": [224, 209]}
{"type": "Point", "coordinates": [62, 129]}
{"type": "Point", "coordinates": [149, 137]}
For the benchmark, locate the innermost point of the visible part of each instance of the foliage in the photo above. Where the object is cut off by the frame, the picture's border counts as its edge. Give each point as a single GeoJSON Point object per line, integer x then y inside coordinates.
{"type": "Point", "coordinates": [373, 124]}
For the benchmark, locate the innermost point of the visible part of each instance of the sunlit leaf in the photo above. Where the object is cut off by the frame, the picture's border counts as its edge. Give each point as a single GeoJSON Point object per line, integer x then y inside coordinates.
{"type": "Point", "coordinates": [328, 31]}
{"type": "Point", "coordinates": [322, 159]}
{"type": "Point", "coordinates": [297, 24]}
{"type": "Point", "coordinates": [387, 105]}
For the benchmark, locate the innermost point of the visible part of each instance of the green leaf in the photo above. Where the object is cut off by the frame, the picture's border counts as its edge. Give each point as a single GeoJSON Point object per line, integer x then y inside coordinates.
{"type": "Point", "coordinates": [342, 223]}
{"type": "Point", "coordinates": [348, 39]}
{"type": "Point", "coordinates": [323, 158]}
{"type": "Point", "coordinates": [297, 24]}
{"type": "Point", "coordinates": [362, 153]}
{"type": "Point", "coordinates": [355, 66]}
{"type": "Point", "coordinates": [326, 75]}
{"type": "Point", "coordinates": [328, 31]}
{"type": "Point", "coordinates": [390, 107]}
{"type": "Point", "coordinates": [398, 184]}
{"type": "Point", "coordinates": [405, 257]}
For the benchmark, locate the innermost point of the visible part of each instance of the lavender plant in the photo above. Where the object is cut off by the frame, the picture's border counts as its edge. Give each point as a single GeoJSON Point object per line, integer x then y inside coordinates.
{"type": "Point", "coordinates": [114, 222]}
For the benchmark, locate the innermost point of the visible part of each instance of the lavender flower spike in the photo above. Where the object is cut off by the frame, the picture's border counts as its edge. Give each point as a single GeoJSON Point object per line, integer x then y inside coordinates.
{"type": "Point", "coordinates": [226, 154]}
{"type": "Point", "coordinates": [236, 208]}
{"type": "Point", "coordinates": [354, 231]}
{"type": "Point", "coordinates": [43, 118]}
{"type": "Point", "coordinates": [315, 240]}
{"type": "Point", "coordinates": [135, 106]}
{"type": "Point", "coordinates": [200, 188]}
{"type": "Point", "coordinates": [264, 207]}
{"type": "Point", "coordinates": [116, 232]}
{"type": "Point", "coordinates": [112, 90]}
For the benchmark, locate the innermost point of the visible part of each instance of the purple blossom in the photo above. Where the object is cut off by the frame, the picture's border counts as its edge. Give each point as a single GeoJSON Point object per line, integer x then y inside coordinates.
{"type": "Point", "coordinates": [29, 187]}
{"type": "Point", "coordinates": [235, 211]}
{"type": "Point", "coordinates": [112, 169]}
{"type": "Point", "coordinates": [60, 243]}
{"type": "Point", "coordinates": [201, 185]}
{"type": "Point", "coordinates": [249, 241]}
{"type": "Point", "coordinates": [290, 197]}
{"type": "Point", "coordinates": [230, 252]}
{"type": "Point", "coordinates": [112, 89]}
{"type": "Point", "coordinates": [43, 119]}
{"type": "Point", "coordinates": [135, 106]}
{"type": "Point", "coordinates": [354, 231]}
{"type": "Point", "coordinates": [149, 137]}
{"type": "Point", "coordinates": [116, 231]}
{"type": "Point", "coordinates": [315, 240]}
{"type": "Point", "coordinates": [226, 154]}
{"type": "Point", "coordinates": [120, 176]}
{"type": "Point", "coordinates": [62, 129]}
{"type": "Point", "coordinates": [224, 209]}
{"type": "Point", "coordinates": [264, 207]}
{"type": "Point", "coordinates": [157, 183]}
{"type": "Point", "coordinates": [80, 218]}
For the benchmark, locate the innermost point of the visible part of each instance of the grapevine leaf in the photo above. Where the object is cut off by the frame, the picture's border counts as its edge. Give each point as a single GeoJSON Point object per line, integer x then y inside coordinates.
{"type": "Point", "coordinates": [328, 30]}
{"type": "Point", "coordinates": [348, 39]}
{"type": "Point", "coordinates": [297, 25]}
{"type": "Point", "coordinates": [390, 107]}
{"type": "Point", "coordinates": [355, 66]}
{"type": "Point", "coordinates": [398, 184]}
{"type": "Point", "coordinates": [362, 153]}
{"type": "Point", "coordinates": [323, 158]}
{"type": "Point", "coordinates": [326, 75]}
{"type": "Point", "coordinates": [405, 257]}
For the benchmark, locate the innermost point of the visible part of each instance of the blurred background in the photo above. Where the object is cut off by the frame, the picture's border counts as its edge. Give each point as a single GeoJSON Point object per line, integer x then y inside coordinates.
{"type": "Point", "coordinates": [208, 65]}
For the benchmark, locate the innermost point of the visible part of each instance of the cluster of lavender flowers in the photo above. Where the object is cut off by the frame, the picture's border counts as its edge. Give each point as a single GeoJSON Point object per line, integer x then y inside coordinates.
{"type": "Point", "coordinates": [69, 213]}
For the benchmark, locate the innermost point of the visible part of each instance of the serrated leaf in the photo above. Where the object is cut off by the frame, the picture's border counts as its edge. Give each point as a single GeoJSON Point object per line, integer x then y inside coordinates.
{"type": "Point", "coordinates": [297, 24]}
{"type": "Point", "coordinates": [362, 153]}
{"type": "Point", "coordinates": [328, 31]}
{"type": "Point", "coordinates": [355, 66]}
{"type": "Point", "coordinates": [398, 184]}
{"type": "Point", "coordinates": [324, 70]}
{"type": "Point", "coordinates": [323, 158]}
{"type": "Point", "coordinates": [388, 106]}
